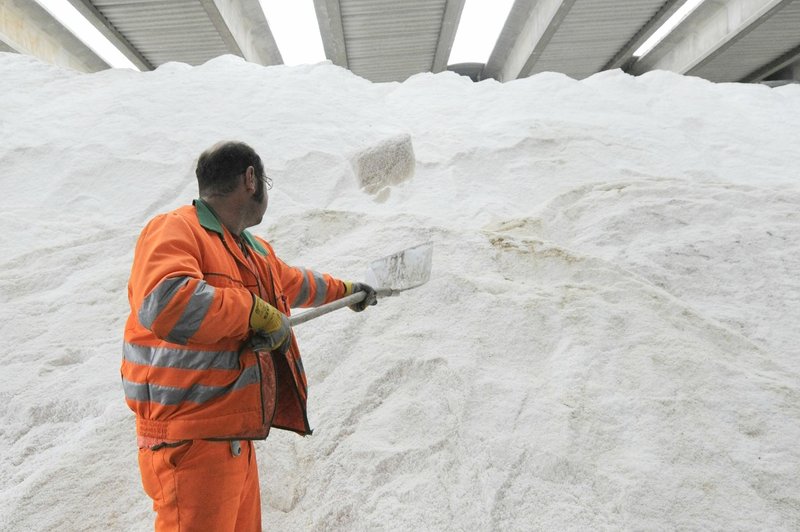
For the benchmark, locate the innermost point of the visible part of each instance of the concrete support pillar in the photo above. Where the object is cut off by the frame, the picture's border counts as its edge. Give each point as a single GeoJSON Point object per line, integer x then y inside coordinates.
{"type": "Point", "coordinates": [28, 28]}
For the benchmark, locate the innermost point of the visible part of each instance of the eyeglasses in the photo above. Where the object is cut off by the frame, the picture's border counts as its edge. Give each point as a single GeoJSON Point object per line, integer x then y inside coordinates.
{"type": "Point", "coordinates": [268, 181]}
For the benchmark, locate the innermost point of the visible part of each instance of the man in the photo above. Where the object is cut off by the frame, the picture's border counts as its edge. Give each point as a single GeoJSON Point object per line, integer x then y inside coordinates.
{"type": "Point", "coordinates": [201, 288]}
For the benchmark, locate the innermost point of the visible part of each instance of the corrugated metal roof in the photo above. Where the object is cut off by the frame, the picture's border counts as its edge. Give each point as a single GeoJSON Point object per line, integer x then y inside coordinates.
{"type": "Point", "coordinates": [166, 30]}
{"type": "Point", "coordinates": [386, 40]}
{"type": "Point", "coordinates": [390, 40]}
{"type": "Point", "coordinates": [765, 43]}
{"type": "Point", "coordinates": [592, 33]}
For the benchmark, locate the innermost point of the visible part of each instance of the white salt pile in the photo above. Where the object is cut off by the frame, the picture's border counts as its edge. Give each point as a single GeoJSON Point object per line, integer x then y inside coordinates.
{"type": "Point", "coordinates": [609, 339]}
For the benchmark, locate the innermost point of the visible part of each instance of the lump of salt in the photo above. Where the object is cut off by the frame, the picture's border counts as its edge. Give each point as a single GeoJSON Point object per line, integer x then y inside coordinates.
{"type": "Point", "coordinates": [388, 162]}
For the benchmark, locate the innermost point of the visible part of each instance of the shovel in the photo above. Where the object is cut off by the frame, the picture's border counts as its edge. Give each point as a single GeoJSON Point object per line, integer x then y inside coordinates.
{"type": "Point", "coordinates": [389, 276]}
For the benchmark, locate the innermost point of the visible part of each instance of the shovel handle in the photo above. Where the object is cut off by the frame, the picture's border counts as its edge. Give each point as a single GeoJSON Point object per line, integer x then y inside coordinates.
{"type": "Point", "coordinates": [346, 301]}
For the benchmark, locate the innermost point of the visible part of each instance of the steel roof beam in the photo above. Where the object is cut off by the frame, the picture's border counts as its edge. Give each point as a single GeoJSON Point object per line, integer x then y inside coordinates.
{"type": "Point", "coordinates": [28, 28]}
{"type": "Point", "coordinates": [706, 33]}
{"type": "Point", "coordinates": [447, 34]}
{"type": "Point", "coordinates": [329, 18]}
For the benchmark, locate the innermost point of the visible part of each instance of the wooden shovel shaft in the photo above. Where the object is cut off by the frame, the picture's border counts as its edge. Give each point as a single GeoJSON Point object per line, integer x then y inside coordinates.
{"type": "Point", "coordinates": [346, 301]}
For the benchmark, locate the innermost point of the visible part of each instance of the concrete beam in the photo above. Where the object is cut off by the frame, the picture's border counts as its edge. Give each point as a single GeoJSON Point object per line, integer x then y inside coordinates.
{"type": "Point", "coordinates": [447, 34]}
{"type": "Point", "coordinates": [244, 21]}
{"type": "Point", "coordinates": [28, 28]}
{"type": "Point", "coordinates": [241, 24]}
{"type": "Point", "coordinates": [792, 71]}
{"type": "Point", "coordinates": [542, 19]}
{"type": "Point", "coordinates": [518, 16]}
{"type": "Point", "coordinates": [707, 32]}
{"type": "Point", "coordinates": [5, 45]}
{"type": "Point", "coordinates": [789, 63]}
{"type": "Point", "coordinates": [624, 56]}
{"type": "Point", "coordinates": [329, 18]}
{"type": "Point", "coordinates": [101, 23]}
{"type": "Point", "coordinates": [552, 24]}
{"type": "Point", "coordinates": [221, 26]}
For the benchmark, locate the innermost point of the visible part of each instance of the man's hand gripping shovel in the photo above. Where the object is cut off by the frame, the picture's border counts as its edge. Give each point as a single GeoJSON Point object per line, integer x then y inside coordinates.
{"type": "Point", "coordinates": [389, 276]}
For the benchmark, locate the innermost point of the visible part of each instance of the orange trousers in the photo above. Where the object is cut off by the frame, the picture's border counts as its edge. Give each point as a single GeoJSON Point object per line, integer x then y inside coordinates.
{"type": "Point", "coordinates": [201, 485]}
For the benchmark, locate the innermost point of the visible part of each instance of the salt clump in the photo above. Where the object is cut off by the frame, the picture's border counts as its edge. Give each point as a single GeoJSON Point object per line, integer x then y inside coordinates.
{"type": "Point", "coordinates": [386, 163]}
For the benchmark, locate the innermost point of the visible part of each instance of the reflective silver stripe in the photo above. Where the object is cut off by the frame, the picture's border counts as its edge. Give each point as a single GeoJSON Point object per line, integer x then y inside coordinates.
{"type": "Point", "coordinates": [302, 296]}
{"type": "Point", "coordinates": [159, 298]}
{"type": "Point", "coordinates": [171, 395]}
{"type": "Point", "coordinates": [322, 289]}
{"type": "Point", "coordinates": [193, 314]}
{"type": "Point", "coordinates": [165, 357]}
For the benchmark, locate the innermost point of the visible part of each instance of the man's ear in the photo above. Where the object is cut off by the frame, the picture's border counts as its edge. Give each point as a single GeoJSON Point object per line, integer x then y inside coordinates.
{"type": "Point", "coordinates": [250, 179]}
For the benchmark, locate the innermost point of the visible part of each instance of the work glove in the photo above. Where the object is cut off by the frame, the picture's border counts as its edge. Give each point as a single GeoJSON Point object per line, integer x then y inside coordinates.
{"type": "Point", "coordinates": [272, 327]}
{"type": "Point", "coordinates": [371, 299]}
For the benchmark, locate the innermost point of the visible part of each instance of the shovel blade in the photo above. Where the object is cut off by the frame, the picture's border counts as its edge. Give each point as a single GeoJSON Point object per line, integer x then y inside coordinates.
{"type": "Point", "coordinates": [402, 270]}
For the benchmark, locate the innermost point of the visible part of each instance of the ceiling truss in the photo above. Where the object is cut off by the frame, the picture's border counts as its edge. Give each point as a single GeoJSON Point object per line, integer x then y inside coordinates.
{"type": "Point", "coordinates": [385, 40]}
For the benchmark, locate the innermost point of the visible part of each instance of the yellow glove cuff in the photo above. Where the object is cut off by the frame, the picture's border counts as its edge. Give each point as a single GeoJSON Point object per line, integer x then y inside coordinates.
{"type": "Point", "coordinates": [348, 287]}
{"type": "Point", "coordinates": [264, 317]}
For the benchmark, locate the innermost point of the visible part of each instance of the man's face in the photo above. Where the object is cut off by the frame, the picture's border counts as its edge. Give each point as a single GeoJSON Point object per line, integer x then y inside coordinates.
{"type": "Point", "coordinates": [260, 198]}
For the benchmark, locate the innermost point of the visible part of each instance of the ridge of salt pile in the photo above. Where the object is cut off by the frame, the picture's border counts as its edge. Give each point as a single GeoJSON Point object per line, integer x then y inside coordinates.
{"type": "Point", "coordinates": [608, 339]}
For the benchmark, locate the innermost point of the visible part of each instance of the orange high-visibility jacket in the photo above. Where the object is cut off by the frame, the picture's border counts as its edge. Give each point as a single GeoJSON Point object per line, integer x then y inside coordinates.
{"type": "Point", "coordinates": [187, 371]}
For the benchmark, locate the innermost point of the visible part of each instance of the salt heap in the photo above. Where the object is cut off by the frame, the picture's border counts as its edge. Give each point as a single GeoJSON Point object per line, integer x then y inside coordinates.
{"type": "Point", "coordinates": [609, 339]}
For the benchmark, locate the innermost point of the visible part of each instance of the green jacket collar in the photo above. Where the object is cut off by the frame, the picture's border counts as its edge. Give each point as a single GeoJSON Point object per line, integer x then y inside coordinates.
{"type": "Point", "coordinates": [210, 221]}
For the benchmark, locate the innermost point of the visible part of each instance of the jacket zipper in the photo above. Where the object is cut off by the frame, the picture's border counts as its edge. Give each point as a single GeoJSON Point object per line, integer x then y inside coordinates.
{"type": "Point", "coordinates": [274, 302]}
{"type": "Point", "coordinates": [262, 292]}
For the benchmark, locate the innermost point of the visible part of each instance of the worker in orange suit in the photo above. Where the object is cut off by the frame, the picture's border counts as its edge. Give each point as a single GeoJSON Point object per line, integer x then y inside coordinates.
{"type": "Point", "coordinates": [201, 289]}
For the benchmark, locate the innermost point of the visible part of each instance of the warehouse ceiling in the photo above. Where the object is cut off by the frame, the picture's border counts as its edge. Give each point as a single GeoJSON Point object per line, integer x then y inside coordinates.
{"type": "Point", "coordinates": [389, 40]}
